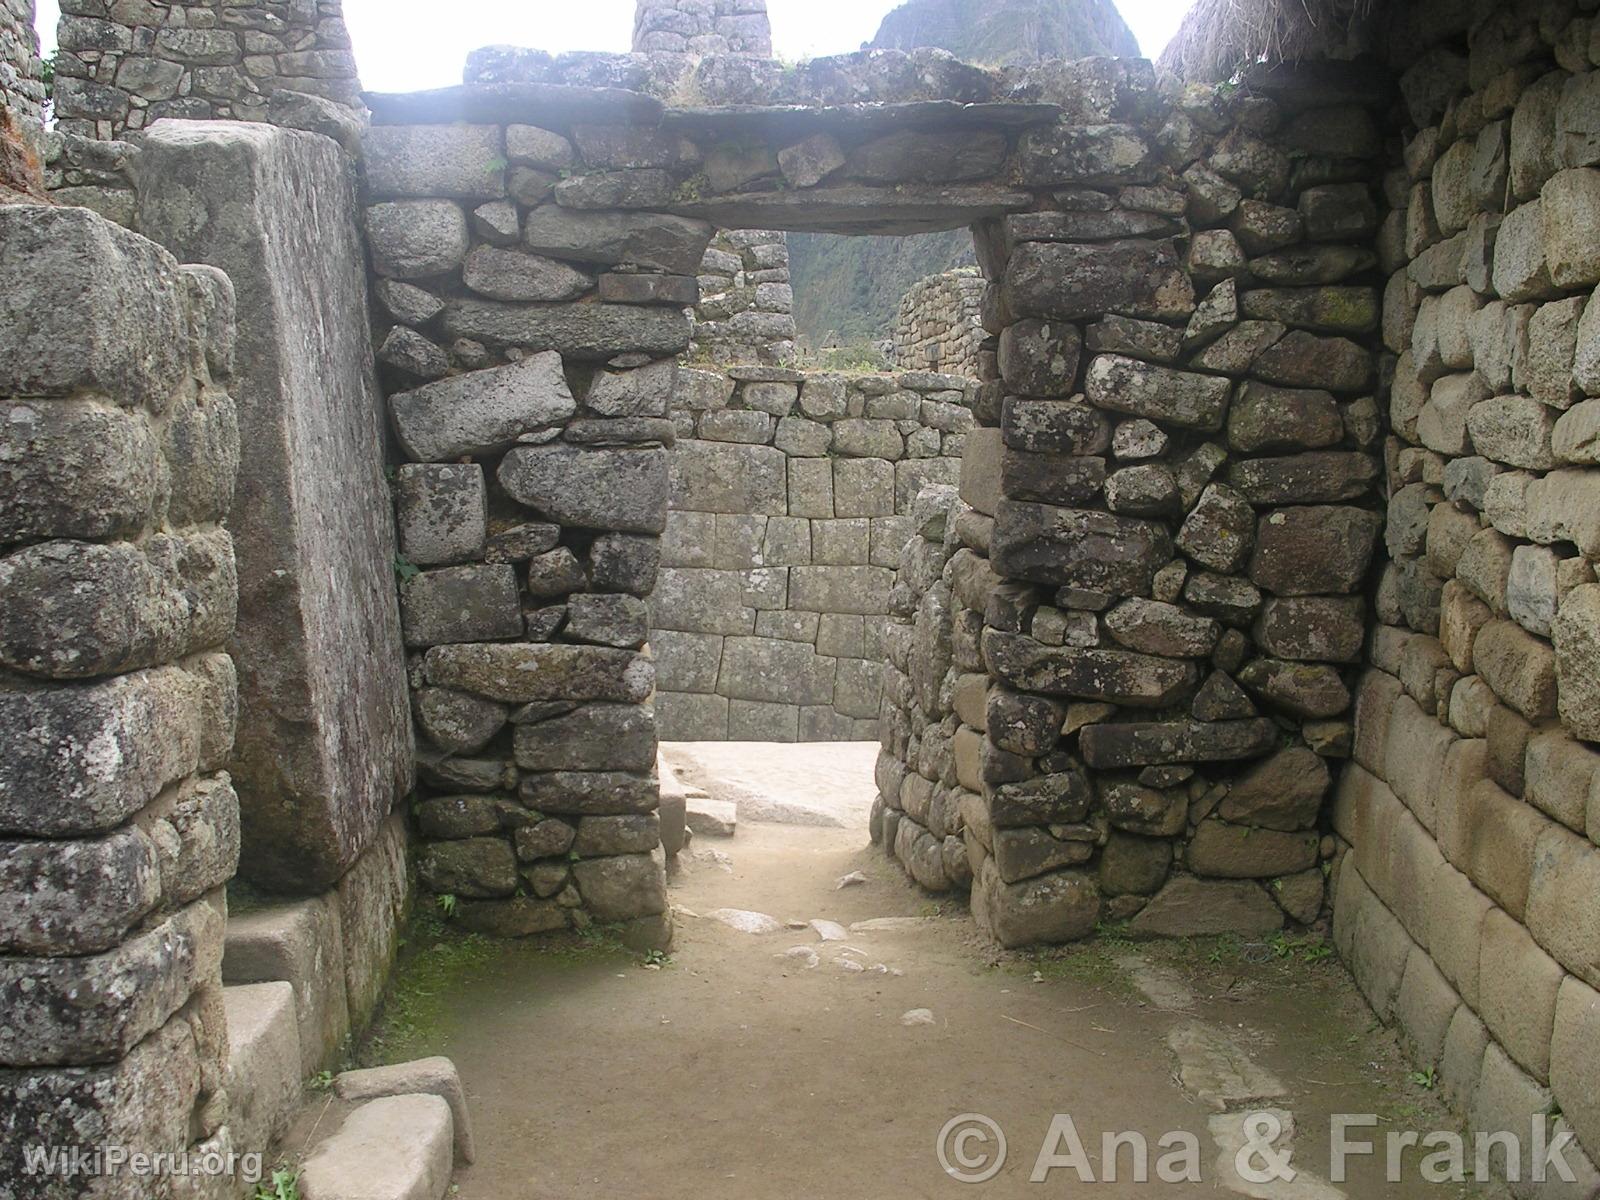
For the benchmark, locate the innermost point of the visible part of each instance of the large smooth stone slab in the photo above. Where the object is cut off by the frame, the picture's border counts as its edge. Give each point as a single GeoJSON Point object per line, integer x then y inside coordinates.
{"type": "Point", "coordinates": [324, 747]}
{"type": "Point", "coordinates": [395, 1148]}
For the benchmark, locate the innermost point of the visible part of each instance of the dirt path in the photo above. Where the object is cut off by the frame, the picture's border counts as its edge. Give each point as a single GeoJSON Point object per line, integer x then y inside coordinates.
{"type": "Point", "coordinates": [738, 1070]}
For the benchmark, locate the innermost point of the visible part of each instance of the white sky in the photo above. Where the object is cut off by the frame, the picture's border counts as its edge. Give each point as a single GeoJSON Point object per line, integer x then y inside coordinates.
{"type": "Point", "coordinates": [405, 45]}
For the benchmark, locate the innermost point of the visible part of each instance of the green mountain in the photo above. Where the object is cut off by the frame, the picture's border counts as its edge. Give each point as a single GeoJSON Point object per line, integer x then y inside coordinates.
{"type": "Point", "coordinates": [848, 289]}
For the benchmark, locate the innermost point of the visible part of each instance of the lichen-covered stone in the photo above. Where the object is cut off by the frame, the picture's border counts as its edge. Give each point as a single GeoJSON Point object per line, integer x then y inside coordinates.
{"type": "Point", "coordinates": [84, 758]}
{"type": "Point", "coordinates": [1078, 548]}
{"type": "Point", "coordinates": [519, 673]}
{"type": "Point", "coordinates": [459, 161]}
{"type": "Point", "coordinates": [502, 274]}
{"type": "Point", "coordinates": [1141, 389]}
{"type": "Point", "coordinates": [89, 307]}
{"type": "Point", "coordinates": [1315, 549]}
{"type": "Point", "coordinates": [620, 490]}
{"type": "Point", "coordinates": [441, 513]}
{"type": "Point", "coordinates": [416, 239]}
{"type": "Point", "coordinates": [1070, 282]}
{"type": "Point", "coordinates": [672, 244]}
{"type": "Point", "coordinates": [1118, 676]}
{"type": "Point", "coordinates": [1137, 745]}
{"type": "Point", "coordinates": [461, 604]}
{"type": "Point", "coordinates": [596, 737]}
{"type": "Point", "coordinates": [624, 887]}
{"type": "Point", "coordinates": [1275, 420]}
{"type": "Point", "coordinates": [1060, 907]}
{"type": "Point", "coordinates": [482, 412]}
{"type": "Point", "coordinates": [1218, 532]}
{"type": "Point", "coordinates": [1576, 633]}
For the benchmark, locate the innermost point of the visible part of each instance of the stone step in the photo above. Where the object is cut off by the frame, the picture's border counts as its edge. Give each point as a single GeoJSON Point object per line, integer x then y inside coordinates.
{"type": "Point", "coordinates": [299, 944]}
{"type": "Point", "coordinates": [264, 1066]}
{"type": "Point", "coordinates": [713, 818]}
{"type": "Point", "coordinates": [435, 1076]}
{"type": "Point", "coordinates": [673, 811]}
{"type": "Point", "coordinates": [394, 1148]}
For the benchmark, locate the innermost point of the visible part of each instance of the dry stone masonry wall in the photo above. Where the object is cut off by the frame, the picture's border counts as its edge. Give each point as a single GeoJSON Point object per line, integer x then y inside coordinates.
{"type": "Point", "coordinates": [1466, 903]}
{"type": "Point", "coordinates": [703, 27]}
{"type": "Point", "coordinates": [1121, 649]}
{"type": "Point", "coordinates": [746, 309]}
{"type": "Point", "coordinates": [118, 823]}
{"type": "Point", "coordinates": [1120, 684]}
{"type": "Point", "coordinates": [125, 64]}
{"type": "Point", "coordinates": [790, 494]}
{"type": "Point", "coordinates": [21, 72]}
{"type": "Point", "coordinates": [536, 250]}
{"type": "Point", "coordinates": [530, 387]}
{"type": "Point", "coordinates": [939, 325]}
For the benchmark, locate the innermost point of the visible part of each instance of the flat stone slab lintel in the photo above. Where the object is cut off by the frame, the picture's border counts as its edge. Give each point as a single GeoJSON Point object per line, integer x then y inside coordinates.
{"type": "Point", "coordinates": [541, 104]}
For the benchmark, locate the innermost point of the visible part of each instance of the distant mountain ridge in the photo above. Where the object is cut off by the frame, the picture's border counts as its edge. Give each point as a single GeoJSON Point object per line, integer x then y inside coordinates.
{"type": "Point", "coordinates": [850, 288]}
{"type": "Point", "coordinates": [1009, 31]}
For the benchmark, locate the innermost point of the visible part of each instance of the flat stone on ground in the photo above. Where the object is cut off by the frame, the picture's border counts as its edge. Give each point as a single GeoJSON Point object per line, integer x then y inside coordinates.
{"type": "Point", "coordinates": [394, 1148]}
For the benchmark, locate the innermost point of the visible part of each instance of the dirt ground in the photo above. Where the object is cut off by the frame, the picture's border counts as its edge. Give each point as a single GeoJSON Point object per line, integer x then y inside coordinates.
{"type": "Point", "coordinates": [738, 1069]}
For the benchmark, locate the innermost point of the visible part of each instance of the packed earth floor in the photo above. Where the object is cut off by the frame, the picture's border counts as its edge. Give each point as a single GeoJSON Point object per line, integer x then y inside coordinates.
{"type": "Point", "coordinates": [752, 1064]}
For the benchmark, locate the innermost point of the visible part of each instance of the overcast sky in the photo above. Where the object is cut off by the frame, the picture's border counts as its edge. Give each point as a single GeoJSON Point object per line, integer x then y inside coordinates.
{"type": "Point", "coordinates": [403, 45]}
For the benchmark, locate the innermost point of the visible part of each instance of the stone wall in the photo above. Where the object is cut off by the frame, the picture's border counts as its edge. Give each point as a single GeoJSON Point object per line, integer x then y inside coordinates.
{"type": "Point", "coordinates": [790, 495]}
{"type": "Point", "coordinates": [118, 824]}
{"type": "Point", "coordinates": [21, 72]}
{"type": "Point", "coordinates": [746, 309]}
{"type": "Point", "coordinates": [1121, 676]}
{"type": "Point", "coordinates": [124, 65]}
{"type": "Point", "coordinates": [529, 389]}
{"type": "Point", "coordinates": [939, 326]}
{"type": "Point", "coordinates": [1466, 902]}
{"type": "Point", "coordinates": [702, 27]}
{"type": "Point", "coordinates": [536, 249]}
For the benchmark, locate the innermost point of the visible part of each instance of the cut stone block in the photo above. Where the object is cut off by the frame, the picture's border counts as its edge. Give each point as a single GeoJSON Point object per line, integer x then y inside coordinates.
{"type": "Point", "coordinates": [712, 818]}
{"type": "Point", "coordinates": [483, 412]}
{"type": "Point", "coordinates": [1193, 907]}
{"type": "Point", "coordinates": [374, 899]}
{"type": "Point", "coordinates": [1518, 985]}
{"type": "Point", "coordinates": [424, 1077]}
{"type": "Point", "coordinates": [89, 306]}
{"type": "Point", "coordinates": [622, 490]}
{"type": "Point", "coordinates": [318, 633]}
{"type": "Point", "coordinates": [146, 729]}
{"type": "Point", "coordinates": [299, 944]}
{"type": "Point", "coordinates": [264, 1071]}
{"type": "Point", "coordinates": [147, 1100]}
{"type": "Point", "coordinates": [441, 513]}
{"type": "Point", "coordinates": [723, 477]}
{"type": "Point", "coordinates": [1060, 907]}
{"type": "Point", "coordinates": [1574, 1067]}
{"type": "Point", "coordinates": [396, 1148]}
{"type": "Point", "coordinates": [79, 1010]}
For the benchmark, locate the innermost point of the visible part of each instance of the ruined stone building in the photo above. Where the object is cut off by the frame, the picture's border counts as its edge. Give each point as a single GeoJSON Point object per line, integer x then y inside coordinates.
{"type": "Point", "coordinates": [384, 476]}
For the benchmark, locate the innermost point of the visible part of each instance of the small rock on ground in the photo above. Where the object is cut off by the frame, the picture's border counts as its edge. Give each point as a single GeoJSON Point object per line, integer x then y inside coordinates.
{"type": "Point", "coordinates": [746, 921]}
{"type": "Point", "coordinates": [882, 924]}
{"type": "Point", "coordinates": [806, 956]}
{"type": "Point", "coordinates": [712, 818]}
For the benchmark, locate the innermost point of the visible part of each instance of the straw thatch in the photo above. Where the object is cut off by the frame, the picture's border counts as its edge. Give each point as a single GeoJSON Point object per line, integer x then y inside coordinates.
{"type": "Point", "coordinates": [1221, 37]}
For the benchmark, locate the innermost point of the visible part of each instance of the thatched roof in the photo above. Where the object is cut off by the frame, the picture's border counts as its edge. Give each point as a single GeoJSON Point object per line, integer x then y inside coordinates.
{"type": "Point", "coordinates": [1220, 37]}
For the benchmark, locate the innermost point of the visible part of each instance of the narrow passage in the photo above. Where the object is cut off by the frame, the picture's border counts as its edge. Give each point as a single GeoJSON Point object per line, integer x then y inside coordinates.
{"type": "Point", "coordinates": [811, 1037]}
